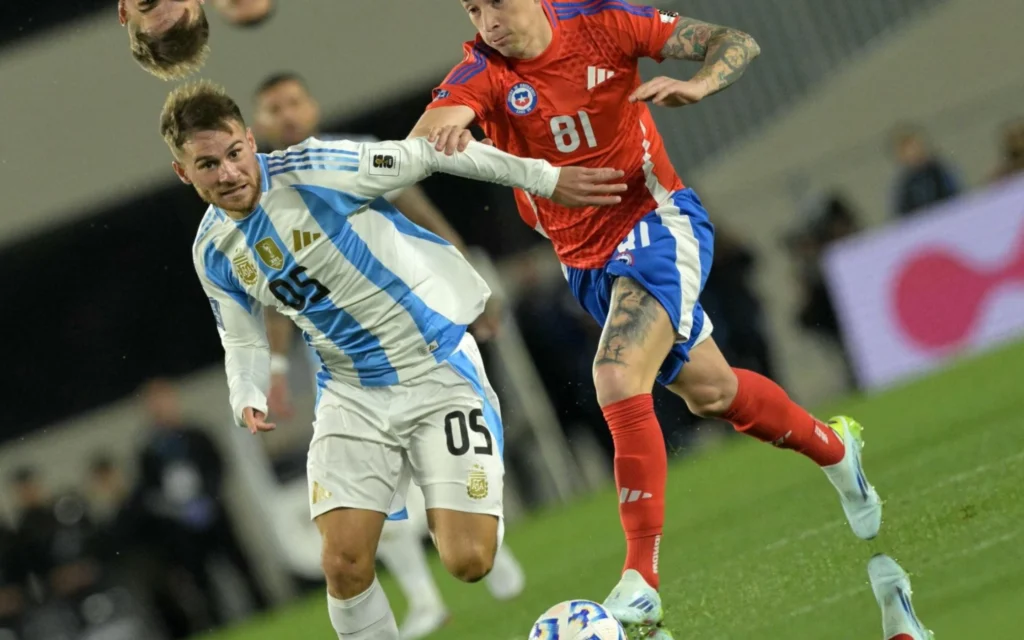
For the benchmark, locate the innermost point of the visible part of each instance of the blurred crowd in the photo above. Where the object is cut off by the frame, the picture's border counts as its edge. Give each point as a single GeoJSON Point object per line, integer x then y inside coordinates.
{"type": "Point", "coordinates": [115, 560]}
{"type": "Point", "coordinates": [924, 177]}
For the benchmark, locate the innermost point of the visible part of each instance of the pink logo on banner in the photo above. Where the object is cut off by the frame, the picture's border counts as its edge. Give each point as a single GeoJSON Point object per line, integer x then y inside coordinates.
{"type": "Point", "coordinates": [938, 298]}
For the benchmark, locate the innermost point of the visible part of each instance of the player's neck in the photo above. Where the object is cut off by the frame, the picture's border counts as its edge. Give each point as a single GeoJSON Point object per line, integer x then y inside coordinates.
{"type": "Point", "coordinates": [238, 216]}
{"type": "Point", "coordinates": [539, 42]}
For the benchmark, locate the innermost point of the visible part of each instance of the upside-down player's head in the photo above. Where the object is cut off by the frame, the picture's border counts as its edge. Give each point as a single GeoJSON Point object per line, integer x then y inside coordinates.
{"type": "Point", "coordinates": [213, 149]}
{"type": "Point", "coordinates": [511, 27]}
{"type": "Point", "coordinates": [168, 37]}
{"type": "Point", "coordinates": [286, 112]}
{"type": "Point", "coordinates": [244, 13]}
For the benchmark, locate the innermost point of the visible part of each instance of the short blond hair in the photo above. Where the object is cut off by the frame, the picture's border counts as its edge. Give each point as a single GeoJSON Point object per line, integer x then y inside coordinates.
{"type": "Point", "coordinates": [175, 53]}
{"type": "Point", "coordinates": [195, 107]}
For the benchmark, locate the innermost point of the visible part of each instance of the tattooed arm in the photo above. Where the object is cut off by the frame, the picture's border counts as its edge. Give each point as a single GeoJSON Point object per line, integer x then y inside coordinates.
{"type": "Point", "coordinates": [725, 52]}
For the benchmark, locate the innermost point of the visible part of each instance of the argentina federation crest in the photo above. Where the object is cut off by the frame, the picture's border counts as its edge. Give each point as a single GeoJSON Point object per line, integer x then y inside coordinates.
{"type": "Point", "coordinates": [476, 487]}
{"type": "Point", "coordinates": [244, 268]}
{"type": "Point", "coordinates": [270, 254]}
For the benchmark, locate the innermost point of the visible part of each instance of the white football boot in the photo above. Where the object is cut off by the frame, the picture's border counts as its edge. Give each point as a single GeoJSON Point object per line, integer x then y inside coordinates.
{"type": "Point", "coordinates": [860, 501]}
{"type": "Point", "coordinates": [637, 606]}
{"type": "Point", "coordinates": [891, 585]}
{"type": "Point", "coordinates": [420, 623]}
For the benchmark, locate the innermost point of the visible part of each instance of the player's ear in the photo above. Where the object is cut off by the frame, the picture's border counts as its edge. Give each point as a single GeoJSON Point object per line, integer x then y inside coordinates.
{"type": "Point", "coordinates": [180, 171]}
{"type": "Point", "coordinates": [122, 12]}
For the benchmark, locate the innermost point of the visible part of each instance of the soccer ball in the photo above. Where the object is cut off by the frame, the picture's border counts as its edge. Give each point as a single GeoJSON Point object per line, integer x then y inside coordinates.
{"type": "Point", "coordinates": [577, 620]}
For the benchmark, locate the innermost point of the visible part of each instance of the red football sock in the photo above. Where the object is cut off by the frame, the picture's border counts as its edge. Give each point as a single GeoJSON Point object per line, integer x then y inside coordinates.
{"type": "Point", "coordinates": [641, 468]}
{"type": "Point", "coordinates": [763, 410]}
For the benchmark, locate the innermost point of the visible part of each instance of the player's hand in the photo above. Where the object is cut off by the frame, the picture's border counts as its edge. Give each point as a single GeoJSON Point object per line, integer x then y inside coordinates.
{"type": "Point", "coordinates": [256, 421]}
{"type": "Point", "coordinates": [453, 138]}
{"type": "Point", "coordinates": [487, 326]}
{"type": "Point", "coordinates": [583, 187]}
{"type": "Point", "coordinates": [669, 92]}
{"type": "Point", "coordinates": [279, 400]}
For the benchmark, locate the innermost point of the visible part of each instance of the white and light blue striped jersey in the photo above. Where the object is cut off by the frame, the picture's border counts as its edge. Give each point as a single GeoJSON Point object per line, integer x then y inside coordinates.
{"type": "Point", "coordinates": [380, 299]}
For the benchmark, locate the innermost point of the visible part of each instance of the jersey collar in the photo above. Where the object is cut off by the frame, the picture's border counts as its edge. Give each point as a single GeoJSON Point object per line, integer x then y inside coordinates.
{"type": "Point", "coordinates": [264, 176]}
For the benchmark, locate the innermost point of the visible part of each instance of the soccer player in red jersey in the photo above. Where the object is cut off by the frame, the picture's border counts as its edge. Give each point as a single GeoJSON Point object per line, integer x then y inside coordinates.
{"type": "Point", "coordinates": [559, 81]}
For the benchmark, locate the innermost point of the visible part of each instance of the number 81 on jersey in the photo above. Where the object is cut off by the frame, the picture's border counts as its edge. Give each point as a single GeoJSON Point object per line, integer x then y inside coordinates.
{"type": "Point", "coordinates": [567, 134]}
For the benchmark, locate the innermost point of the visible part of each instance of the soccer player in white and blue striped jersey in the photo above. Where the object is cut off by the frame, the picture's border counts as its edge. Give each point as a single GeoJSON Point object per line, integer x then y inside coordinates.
{"type": "Point", "coordinates": [285, 114]}
{"type": "Point", "coordinates": [402, 392]}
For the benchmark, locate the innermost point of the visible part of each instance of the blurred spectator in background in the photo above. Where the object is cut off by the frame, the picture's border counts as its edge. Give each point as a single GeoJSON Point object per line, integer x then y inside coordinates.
{"type": "Point", "coordinates": [56, 544]}
{"type": "Point", "coordinates": [72, 557]}
{"type": "Point", "coordinates": [35, 522]}
{"type": "Point", "coordinates": [133, 548]}
{"type": "Point", "coordinates": [561, 339]}
{"type": "Point", "coordinates": [245, 13]}
{"type": "Point", "coordinates": [923, 179]}
{"type": "Point", "coordinates": [1012, 160]}
{"type": "Point", "coordinates": [13, 591]}
{"type": "Point", "coordinates": [731, 302]}
{"type": "Point", "coordinates": [109, 492]}
{"type": "Point", "coordinates": [830, 219]}
{"type": "Point", "coordinates": [181, 477]}
{"type": "Point", "coordinates": [286, 111]}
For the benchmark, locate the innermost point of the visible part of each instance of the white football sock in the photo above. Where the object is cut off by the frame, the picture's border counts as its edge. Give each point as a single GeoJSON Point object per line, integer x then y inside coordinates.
{"type": "Point", "coordinates": [506, 579]}
{"type": "Point", "coordinates": [367, 616]}
{"type": "Point", "coordinates": [401, 551]}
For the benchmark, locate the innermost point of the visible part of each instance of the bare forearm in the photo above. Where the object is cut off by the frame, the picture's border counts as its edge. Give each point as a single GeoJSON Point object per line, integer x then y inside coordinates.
{"type": "Point", "coordinates": [729, 54]}
{"type": "Point", "coordinates": [458, 116]}
{"type": "Point", "coordinates": [416, 206]}
{"type": "Point", "coordinates": [725, 52]}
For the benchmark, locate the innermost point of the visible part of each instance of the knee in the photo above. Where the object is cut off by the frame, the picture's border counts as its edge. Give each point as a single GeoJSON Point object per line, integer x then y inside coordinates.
{"type": "Point", "coordinates": [471, 562]}
{"type": "Point", "coordinates": [615, 383]}
{"type": "Point", "coordinates": [710, 399]}
{"type": "Point", "coordinates": [348, 573]}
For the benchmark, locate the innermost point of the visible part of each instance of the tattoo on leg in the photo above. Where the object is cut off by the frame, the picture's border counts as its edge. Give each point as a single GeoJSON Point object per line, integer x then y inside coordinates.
{"type": "Point", "coordinates": [633, 312]}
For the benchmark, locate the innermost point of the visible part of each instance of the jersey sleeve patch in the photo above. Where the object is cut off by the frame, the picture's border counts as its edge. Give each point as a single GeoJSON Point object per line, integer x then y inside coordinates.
{"type": "Point", "coordinates": [385, 162]}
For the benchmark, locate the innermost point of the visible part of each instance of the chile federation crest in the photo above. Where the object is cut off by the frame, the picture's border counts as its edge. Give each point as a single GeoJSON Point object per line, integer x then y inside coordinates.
{"type": "Point", "coordinates": [522, 99]}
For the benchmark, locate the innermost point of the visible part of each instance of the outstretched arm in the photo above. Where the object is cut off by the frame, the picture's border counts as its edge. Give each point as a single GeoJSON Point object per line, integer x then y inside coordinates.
{"type": "Point", "coordinates": [386, 166]}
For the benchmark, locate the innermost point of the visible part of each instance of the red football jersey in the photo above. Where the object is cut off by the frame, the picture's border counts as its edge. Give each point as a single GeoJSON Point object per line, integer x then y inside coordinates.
{"type": "Point", "coordinates": [570, 106]}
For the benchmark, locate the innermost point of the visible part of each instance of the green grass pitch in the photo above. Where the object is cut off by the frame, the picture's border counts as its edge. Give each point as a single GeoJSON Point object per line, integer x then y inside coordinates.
{"type": "Point", "coordinates": [755, 542]}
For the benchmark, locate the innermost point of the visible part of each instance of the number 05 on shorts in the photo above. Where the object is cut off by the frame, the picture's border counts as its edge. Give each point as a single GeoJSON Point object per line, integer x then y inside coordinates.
{"type": "Point", "coordinates": [442, 430]}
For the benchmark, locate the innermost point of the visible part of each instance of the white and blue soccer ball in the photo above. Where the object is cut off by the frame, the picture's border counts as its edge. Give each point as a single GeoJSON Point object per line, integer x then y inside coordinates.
{"type": "Point", "coordinates": [577, 620]}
